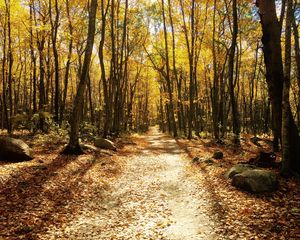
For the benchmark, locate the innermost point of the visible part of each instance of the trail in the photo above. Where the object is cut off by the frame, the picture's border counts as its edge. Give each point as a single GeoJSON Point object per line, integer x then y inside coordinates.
{"type": "Point", "coordinates": [156, 197]}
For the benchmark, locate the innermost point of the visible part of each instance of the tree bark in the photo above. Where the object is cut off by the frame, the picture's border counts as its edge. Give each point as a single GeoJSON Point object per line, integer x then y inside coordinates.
{"type": "Point", "coordinates": [68, 65]}
{"type": "Point", "coordinates": [168, 77]}
{"type": "Point", "coordinates": [102, 66]}
{"type": "Point", "coordinates": [275, 79]}
{"type": "Point", "coordinates": [73, 146]}
{"type": "Point", "coordinates": [297, 57]}
{"type": "Point", "coordinates": [234, 109]}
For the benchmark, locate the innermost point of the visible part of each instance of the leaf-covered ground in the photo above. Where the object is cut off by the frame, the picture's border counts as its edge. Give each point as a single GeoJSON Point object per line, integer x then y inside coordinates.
{"type": "Point", "coordinates": [148, 190]}
{"type": "Point", "coordinates": [241, 214]}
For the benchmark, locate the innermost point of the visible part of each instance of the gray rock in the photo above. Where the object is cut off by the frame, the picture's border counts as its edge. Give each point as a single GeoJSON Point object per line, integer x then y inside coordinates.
{"type": "Point", "coordinates": [256, 181]}
{"type": "Point", "coordinates": [239, 168]}
{"type": "Point", "coordinates": [209, 161]}
{"type": "Point", "coordinates": [14, 150]}
{"type": "Point", "coordinates": [198, 160]}
{"type": "Point", "coordinates": [88, 147]}
{"type": "Point", "coordinates": [218, 155]}
{"type": "Point", "coordinates": [105, 144]}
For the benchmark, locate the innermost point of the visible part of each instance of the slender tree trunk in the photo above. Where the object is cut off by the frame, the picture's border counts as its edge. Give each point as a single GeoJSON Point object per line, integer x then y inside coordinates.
{"type": "Point", "coordinates": [10, 65]}
{"type": "Point", "coordinates": [68, 65]}
{"type": "Point", "coordinates": [191, 63]}
{"type": "Point", "coordinates": [33, 59]}
{"type": "Point", "coordinates": [55, 26]}
{"type": "Point", "coordinates": [73, 146]}
{"type": "Point", "coordinates": [234, 108]}
{"type": "Point", "coordinates": [168, 77]}
{"type": "Point", "coordinates": [120, 76]}
{"type": "Point", "coordinates": [191, 55]}
{"type": "Point", "coordinates": [215, 89]}
{"type": "Point", "coordinates": [91, 100]}
{"type": "Point", "coordinates": [4, 76]}
{"type": "Point", "coordinates": [102, 66]}
{"type": "Point", "coordinates": [286, 109]}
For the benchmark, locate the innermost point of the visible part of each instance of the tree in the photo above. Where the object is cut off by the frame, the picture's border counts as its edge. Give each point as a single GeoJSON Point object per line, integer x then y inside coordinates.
{"type": "Point", "coordinates": [73, 146]}
{"type": "Point", "coordinates": [235, 113]}
{"type": "Point", "coordinates": [68, 64]}
{"type": "Point", "coordinates": [168, 76]}
{"type": "Point", "coordinates": [278, 85]}
{"type": "Point", "coordinates": [54, 31]}
{"type": "Point", "coordinates": [190, 43]}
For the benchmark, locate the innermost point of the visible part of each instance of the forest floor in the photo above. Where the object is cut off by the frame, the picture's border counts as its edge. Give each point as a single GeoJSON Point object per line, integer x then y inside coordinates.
{"type": "Point", "coordinates": [150, 189]}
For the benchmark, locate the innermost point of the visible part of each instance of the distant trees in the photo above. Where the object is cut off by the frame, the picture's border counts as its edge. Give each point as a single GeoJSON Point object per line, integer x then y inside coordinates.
{"type": "Point", "coordinates": [42, 60]}
{"type": "Point", "coordinates": [213, 80]}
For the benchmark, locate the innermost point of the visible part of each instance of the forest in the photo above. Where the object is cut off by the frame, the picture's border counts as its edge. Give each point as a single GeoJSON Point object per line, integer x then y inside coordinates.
{"type": "Point", "coordinates": [118, 118]}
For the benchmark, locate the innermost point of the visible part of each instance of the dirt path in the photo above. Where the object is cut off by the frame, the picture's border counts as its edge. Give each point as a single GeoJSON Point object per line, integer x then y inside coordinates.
{"type": "Point", "coordinates": [155, 198]}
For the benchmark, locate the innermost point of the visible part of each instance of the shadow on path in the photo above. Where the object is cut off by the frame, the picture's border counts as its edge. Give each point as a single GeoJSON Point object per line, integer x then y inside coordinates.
{"type": "Point", "coordinates": [33, 199]}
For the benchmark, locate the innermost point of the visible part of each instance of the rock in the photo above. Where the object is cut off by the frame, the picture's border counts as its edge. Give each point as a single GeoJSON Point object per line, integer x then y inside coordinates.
{"type": "Point", "coordinates": [14, 150]}
{"type": "Point", "coordinates": [218, 155]}
{"type": "Point", "coordinates": [237, 169]}
{"type": "Point", "coordinates": [198, 160]}
{"type": "Point", "coordinates": [105, 144]}
{"type": "Point", "coordinates": [88, 147]}
{"type": "Point", "coordinates": [264, 160]}
{"type": "Point", "coordinates": [256, 181]}
{"type": "Point", "coordinates": [209, 161]}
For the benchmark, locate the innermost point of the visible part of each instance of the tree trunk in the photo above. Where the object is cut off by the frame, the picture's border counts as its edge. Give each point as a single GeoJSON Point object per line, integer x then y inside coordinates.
{"type": "Point", "coordinates": [10, 65]}
{"type": "Point", "coordinates": [275, 79]}
{"type": "Point", "coordinates": [54, 29]}
{"type": "Point", "coordinates": [73, 146]}
{"type": "Point", "coordinates": [4, 78]}
{"type": "Point", "coordinates": [168, 77]}
{"type": "Point", "coordinates": [297, 57]}
{"type": "Point", "coordinates": [234, 108]}
{"type": "Point", "coordinates": [68, 65]}
{"type": "Point", "coordinates": [102, 66]}
{"type": "Point", "coordinates": [286, 109]}
{"type": "Point", "coordinates": [33, 59]}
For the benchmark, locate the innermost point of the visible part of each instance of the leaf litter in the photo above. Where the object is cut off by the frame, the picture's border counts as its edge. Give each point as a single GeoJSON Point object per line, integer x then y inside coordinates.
{"type": "Point", "coordinates": [148, 190]}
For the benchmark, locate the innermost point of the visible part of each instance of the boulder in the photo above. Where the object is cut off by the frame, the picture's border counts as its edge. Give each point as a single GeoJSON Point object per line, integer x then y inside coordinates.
{"type": "Point", "coordinates": [237, 169]}
{"type": "Point", "coordinates": [14, 150]}
{"type": "Point", "coordinates": [218, 155]}
{"type": "Point", "coordinates": [256, 181]}
{"type": "Point", "coordinates": [88, 147]}
{"type": "Point", "coordinates": [105, 144]}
